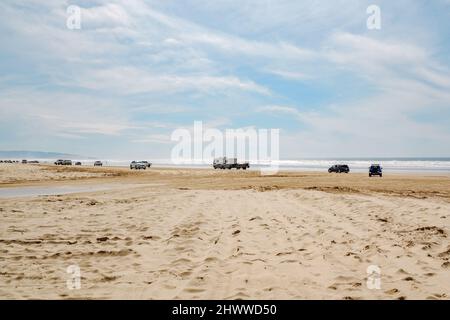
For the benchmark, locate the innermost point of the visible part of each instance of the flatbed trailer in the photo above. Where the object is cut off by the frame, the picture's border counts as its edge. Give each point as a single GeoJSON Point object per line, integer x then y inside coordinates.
{"type": "Point", "coordinates": [229, 163]}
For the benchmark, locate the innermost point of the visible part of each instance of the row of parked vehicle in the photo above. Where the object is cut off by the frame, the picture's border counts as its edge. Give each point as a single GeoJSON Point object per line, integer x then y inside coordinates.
{"type": "Point", "coordinates": [137, 165]}
{"type": "Point", "coordinates": [61, 162]}
{"type": "Point", "coordinates": [17, 161]}
{"type": "Point", "coordinates": [374, 169]}
{"type": "Point", "coordinates": [30, 161]}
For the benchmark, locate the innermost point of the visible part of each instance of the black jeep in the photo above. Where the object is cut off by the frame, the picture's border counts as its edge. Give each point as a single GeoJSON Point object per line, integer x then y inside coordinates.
{"type": "Point", "coordinates": [375, 170]}
{"type": "Point", "coordinates": [338, 168]}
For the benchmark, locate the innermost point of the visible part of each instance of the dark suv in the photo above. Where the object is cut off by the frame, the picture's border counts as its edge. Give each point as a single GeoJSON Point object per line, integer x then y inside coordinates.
{"type": "Point", "coordinates": [375, 170]}
{"type": "Point", "coordinates": [339, 168]}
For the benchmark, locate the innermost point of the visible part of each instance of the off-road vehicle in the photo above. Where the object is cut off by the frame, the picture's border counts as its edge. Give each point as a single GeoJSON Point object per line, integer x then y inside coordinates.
{"type": "Point", "coordinates": [61, 162]}
{"type": "Point", "coordinates": [375, 170]}
{"type": "Point", "coordinates": [148, 164]}
{"type": "Point", "coordinates": [137, 165]}
{"type": "Point", "coordinates": [339, 168]}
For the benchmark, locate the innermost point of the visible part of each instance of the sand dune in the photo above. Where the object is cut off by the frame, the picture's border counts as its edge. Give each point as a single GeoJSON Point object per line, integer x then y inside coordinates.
{"type": "Point", "coordinates": [199, 234]}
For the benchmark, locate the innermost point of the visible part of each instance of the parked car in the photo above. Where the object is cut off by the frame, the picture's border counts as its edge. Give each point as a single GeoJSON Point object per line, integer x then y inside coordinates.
{"type": "Point", "coordinates": [148, 164]}
{"type": "Point", "coordinates": [24, 161]}
{"type": "Point", "coordinates": [338, 168]}
{"type": "Point", "coordinates": [78, 163]}
{"type": "Point", "coordinates": [98, 164]}
{"type": "Point", "coordinates": [137, 165]}
{"type": "Point", "coordinates": [375, 170]}
{"type": "Point", "coordinates": [61, 162]}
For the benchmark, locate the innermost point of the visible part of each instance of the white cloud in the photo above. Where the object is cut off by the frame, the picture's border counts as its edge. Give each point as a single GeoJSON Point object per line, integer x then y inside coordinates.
{"type": "Point", "coordinates": [110, 15]}
{"type": "Point", "coordinates": [94, 127]}
{"type": "Point", "coordinates": [154, 138]}
{"type": "Point", "coordinates": [189, 57]}
{"type": "Point", "coordinates": [275, 109]}
{"type": "Point", "coordinates": [127, 80]}
{"type": "Point", "coordinates": [64, 114]}
{"type": "Point", "coordinates": [289, 74]}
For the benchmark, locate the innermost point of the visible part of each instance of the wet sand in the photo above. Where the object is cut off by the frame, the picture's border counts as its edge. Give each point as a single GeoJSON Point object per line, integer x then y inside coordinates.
{"type": "Point", "coordinates": [188, 234]}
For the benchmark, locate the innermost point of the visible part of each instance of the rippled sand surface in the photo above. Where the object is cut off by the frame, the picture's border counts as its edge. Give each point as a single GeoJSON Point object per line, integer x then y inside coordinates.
{"type": "Point", "coordinates": [189, 234]}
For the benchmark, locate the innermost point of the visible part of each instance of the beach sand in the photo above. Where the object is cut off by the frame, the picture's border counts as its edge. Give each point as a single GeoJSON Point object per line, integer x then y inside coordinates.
{"type": "Point", "coordinates": [205, 234]}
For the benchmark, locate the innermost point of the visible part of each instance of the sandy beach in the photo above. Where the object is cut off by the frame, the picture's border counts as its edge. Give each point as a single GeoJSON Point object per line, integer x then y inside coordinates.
{"type": "Point", "coordinates": [205, 234]}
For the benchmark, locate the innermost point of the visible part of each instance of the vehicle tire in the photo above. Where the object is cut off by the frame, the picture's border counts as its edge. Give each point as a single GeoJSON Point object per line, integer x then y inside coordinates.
{"type": "Point", "coordinates": [370, 175]}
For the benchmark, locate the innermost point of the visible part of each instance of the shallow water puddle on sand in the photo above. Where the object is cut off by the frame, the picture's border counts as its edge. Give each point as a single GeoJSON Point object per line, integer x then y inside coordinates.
{"type": "Point", "coordinates": [34, 191]}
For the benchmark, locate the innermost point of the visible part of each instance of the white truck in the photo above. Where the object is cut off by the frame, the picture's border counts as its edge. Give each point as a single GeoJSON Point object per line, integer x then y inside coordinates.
{"type": "Point", "coordinates": [229, 163]}
{"type": "Point", "coordinates": [138, 165]}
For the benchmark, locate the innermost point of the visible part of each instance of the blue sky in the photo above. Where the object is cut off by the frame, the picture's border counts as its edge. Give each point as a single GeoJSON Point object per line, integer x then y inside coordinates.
{"type": "Point", "coordinates": [138, 70]}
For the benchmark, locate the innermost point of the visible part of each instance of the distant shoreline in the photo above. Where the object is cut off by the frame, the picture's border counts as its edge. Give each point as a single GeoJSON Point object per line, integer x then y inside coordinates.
{"type": "Point", "coordinates": [410, 165]}
{"type": "Point", "coordinates": [425, 168]}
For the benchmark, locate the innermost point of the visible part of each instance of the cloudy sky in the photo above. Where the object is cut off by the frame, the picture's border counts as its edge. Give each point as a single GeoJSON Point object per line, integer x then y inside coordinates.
{"type": "Point", "coordinates": [137, 70]}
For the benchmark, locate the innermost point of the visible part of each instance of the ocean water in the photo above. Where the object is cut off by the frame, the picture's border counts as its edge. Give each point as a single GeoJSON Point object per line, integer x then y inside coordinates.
{"type": "Point", "coordinates": [362, 164]}
{"type": "Point", "coordinates": [420, 165]}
